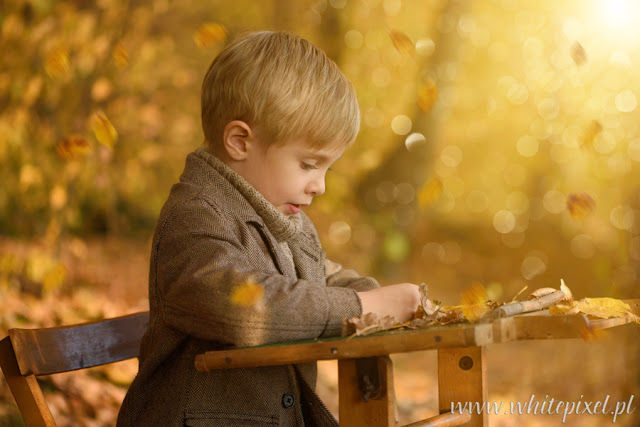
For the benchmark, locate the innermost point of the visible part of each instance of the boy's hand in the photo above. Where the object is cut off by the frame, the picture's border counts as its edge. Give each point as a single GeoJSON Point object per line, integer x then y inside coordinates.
{"type": "Point", "coordinates": [400, 301]}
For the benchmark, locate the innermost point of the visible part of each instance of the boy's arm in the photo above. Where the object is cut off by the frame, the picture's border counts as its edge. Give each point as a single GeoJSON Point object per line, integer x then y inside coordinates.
{"type": "Point", "coordinates": [347, 278]}
{"type": "Point", "coordinates": [200, 261]}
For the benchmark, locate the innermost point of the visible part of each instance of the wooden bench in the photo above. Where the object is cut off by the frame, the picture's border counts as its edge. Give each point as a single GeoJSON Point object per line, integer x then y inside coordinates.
{"type": "Point", "coordinates": [28, 353]}
{"type": "Point", "coordinates": [365, 371]}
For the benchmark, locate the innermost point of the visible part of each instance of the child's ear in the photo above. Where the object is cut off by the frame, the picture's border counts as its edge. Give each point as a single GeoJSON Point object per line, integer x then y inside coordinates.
{"type": "Point", "coordinates": [235, 139]}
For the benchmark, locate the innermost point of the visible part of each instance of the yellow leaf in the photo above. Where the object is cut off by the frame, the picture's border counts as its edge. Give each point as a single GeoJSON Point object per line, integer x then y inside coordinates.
{"type": "Point", "coordinates": [56, 63]}
{"type": "Point", "coordinates": [564, 308]}
{"type": "Point", "coordinates": [580, 205]}
{"type": "Point", "coordinates": [103, 129]}
{"type": "Point", "coordinates": [54, 277]}
{"type": "Point", "coordinates": [247, 294]}
{"type": "Point", "coordinates": [474, 300]}
{"type": "Point", "coordinates": [120, 56]}
{"type": "Point", "coordinates": [209, 34]}
{"type": "Point", "coordinates": [73, 147]}
{"type": "Point", "coordinates": [430, 192]}
{"type": "Point", "coordinates": [402, 42]}
{"type": "Point", "coordinates": [592, 130]}
{"type": "Point", "coordinates": [427, 95]}
{"type": "Point", "coordinates": [603, 307]}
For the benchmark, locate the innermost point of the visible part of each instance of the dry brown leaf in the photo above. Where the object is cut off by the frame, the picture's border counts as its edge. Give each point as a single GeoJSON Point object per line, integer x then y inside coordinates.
{"type": "Point", "coordinates": [541, 292]}
{"type": "Point", "coordinates": [402, 42]}
{"type": "Point", "coordinates": [450, 314]}
{"type": "Point", "coordinates": [368, 323]}
{"type": "Point", "coordinates": [565, 289]}
{"type": "Point", "coordinates": [580, 205]}
{"type": "Point", "coordinates": [73, 147]}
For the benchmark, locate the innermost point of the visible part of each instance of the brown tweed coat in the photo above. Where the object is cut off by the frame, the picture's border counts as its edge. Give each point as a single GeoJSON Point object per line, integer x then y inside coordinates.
{"type": "Point", "coordinates": [214, 232]}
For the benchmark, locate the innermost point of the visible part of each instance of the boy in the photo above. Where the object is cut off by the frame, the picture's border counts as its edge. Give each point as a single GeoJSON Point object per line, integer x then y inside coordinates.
{"type": "Point", "coordinates": [276, 113]}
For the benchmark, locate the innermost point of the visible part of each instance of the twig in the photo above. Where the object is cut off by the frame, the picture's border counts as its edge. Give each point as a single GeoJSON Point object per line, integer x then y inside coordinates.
{"type": "Point", "coordinates": [535, 304]}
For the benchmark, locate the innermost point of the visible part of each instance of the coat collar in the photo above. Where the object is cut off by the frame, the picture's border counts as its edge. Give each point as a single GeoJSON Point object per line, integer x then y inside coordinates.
{"type": "Point", "coordinates": [203, 168]}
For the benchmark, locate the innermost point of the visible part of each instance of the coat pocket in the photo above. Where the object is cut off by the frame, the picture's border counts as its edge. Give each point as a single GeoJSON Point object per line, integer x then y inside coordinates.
{"type": "Point", "coordinates": [224, 419]}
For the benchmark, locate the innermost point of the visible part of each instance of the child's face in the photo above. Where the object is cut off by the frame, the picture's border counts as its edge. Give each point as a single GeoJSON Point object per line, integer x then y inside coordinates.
{"type": "Point", "coordinates": [291, 175]}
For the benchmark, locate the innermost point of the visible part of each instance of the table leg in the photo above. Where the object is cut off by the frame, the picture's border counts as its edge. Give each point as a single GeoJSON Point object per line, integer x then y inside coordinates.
{"type": "Point", "coordinates": [366, 393]}
{"type": "Point", "coordinates": [462, 378]}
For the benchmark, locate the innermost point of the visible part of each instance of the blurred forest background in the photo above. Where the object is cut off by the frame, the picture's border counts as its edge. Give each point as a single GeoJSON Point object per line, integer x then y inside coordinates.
{"type": "Point", "coordinates": [500, 143]}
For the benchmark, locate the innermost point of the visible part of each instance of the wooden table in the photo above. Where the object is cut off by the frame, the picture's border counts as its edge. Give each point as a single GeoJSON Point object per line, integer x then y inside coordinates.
{"type": "Point", "coordinates": [365, 371]}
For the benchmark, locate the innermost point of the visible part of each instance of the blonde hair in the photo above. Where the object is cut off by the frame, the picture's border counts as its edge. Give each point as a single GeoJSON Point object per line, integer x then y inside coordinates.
{"type": "Point", "coordinates": [283, 86]}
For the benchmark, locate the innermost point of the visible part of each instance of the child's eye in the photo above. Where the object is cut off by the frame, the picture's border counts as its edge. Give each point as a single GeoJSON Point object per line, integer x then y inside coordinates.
{"type": "Point", "coordinates": [308, 166]}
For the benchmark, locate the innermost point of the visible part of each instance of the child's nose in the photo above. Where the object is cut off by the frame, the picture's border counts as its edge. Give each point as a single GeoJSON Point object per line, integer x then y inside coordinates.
{"type": "Point", "coordinates": [316, 186]}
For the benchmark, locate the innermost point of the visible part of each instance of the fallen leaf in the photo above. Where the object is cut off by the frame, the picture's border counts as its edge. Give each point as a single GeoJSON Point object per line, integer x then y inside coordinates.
{"type": "Point", "coordinates": [427, 95]}
{"type": "Point", "coordinates": [474, 300]}
{"type": "Point", "coordinates": [247, 294]}
{"type": "Point", "coordinates": [603, 307]}
{"type": "Point", "coordinates": [541, 292]}
{"type": "Point", "coordinates": [565, 289]}
{"type": "Point", "coordinates": [368, 323]}
{"type": "Point", "coordinates": [103, 129]}
{"type": "Point", "coordinates": [580, 205]}
{"type": "Point", "coordinates": [210, 34]}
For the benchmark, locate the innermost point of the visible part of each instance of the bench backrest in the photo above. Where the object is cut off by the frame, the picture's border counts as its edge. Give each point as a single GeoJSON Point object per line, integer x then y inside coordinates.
{"type": "Point", "coordinates": [26, 353]}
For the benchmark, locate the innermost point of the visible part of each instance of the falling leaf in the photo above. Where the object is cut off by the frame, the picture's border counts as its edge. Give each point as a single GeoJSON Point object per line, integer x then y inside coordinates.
{"type": "Point", "coordinates": [580, 205]}
{"type": "Point", "coordinates": [368, 323]}
{"type": "Point", "coordinates": [73, 147]}
{"type": "Point", "coordinates": [103, 129]}
{"type": "Point", "coordinates": [592, 130]}
{"type": "Point", "coordinates": [57, 62]}
{"type": "Point", "coordinates": [430, 192]}
{"type": "Point", "coordinates": [427, 95]}
{"type": "Point", "coordinates": [247, 294]}
{"type": "Point", "coordinates": [474, 300]}
{"type": "Point", "coordinates": [210, 34]}
{"type": "Point", "coordinates": [120, 56]}
{"type": "Point", "coordinates": [578, 54]}
{"type": "Point", "coordinates": [402, 42]}
{"type": "Point", "coordinates": [58, 197]}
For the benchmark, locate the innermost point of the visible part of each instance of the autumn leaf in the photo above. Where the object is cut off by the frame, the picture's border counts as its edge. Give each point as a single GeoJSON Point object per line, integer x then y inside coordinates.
{"type": "Point", "coordinates": [592, 130]}
{"type": "Point", "coordinates": [120, 56]}
{"type": "Point", "coordinates": [57, 62]}
{"type": "Point", "coordinates": [603, 307]}
{"type": "Point", "coordinates": [402, 42]}
{"type": "Point", "coordinates": [580, 205]}
{"type": "Point", "coordinates": [427, 95]}
{"type": "Point", "coordinates": [565, 289]}
{"type": "Point", "coordinates": [210, 34]}
{"type": "Point", "coordinates": [247, 294]}
{"type": "Point", "coordinates": [368, 323]}
{"type": "Point", "coordinates": [103, 129]}
{"type": "Point", "coordinates": [578, 54]}
{"type": "Point", "coordinates": [430, 192]}
{"type": "Point", "coordinates": [474, 300]}
{"type": "Point", "coordinates": [73, 147]}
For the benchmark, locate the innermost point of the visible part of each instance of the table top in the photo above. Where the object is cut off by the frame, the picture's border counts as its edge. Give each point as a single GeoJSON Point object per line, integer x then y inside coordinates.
{"type": "Point", "coordinates": [529, 326]}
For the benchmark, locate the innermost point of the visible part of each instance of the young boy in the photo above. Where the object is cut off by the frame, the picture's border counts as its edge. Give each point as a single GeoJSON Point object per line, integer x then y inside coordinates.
{"type": "Point", "coordinates": [276, 114]}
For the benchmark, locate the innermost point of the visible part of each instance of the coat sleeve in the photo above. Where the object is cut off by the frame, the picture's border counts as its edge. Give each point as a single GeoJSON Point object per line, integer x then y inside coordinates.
{"type": "Point", "coordinates": [200, 259]}
{"type": "Point", "coordinates": [346, 278]}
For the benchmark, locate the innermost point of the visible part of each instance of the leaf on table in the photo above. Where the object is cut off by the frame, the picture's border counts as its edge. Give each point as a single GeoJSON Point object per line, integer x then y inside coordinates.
{"type": "Point", "coordinates": [247, 294]}
{"type": "Point", "coordinates": [367, 323]}
{"type": "Point", "coordinates": [567, 292]}
{"type": "Point", "coordinates": [604, 307]}
{"type": "Point", "coordinates": [450, 314]}
{"type": "Point", "coordinates": [474, 302]}
{"type": "Point", "coordinates": [564, 308]}
{"type": "Point", "coordinates": [540, 292]}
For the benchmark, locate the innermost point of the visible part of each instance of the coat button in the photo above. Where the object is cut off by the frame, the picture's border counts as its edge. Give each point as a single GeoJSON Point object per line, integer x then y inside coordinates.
{"type": "Point", "coordinates": [288, 400]}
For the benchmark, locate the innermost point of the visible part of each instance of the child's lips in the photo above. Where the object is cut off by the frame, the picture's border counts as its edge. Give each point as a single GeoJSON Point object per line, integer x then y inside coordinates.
{"type": "Point", "coordinates": [294, 208]}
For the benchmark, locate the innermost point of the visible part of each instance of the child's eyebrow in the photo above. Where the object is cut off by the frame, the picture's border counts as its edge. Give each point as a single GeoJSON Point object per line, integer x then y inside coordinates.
{"type": "Point", "coordinates": [321, 157]}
